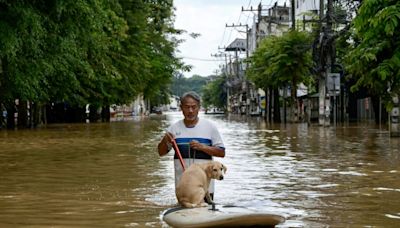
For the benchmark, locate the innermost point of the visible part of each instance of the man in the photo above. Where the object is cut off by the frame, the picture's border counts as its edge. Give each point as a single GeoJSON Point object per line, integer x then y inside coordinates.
{"type": "Point", "coordinates": [198, 139]}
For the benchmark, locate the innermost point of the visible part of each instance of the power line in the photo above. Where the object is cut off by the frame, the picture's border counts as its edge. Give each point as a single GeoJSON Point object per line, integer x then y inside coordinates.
{"type": "Point", "coordinates": [223, 36]}
{"type": "Point", "coordinates": [200, 59]}
{"type": "Point", "coordinates": [248, 15]}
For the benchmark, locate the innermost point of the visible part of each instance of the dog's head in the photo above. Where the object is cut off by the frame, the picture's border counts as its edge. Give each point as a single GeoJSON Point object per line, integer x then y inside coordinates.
{"type": "Point", "coordinates": [216, 170]}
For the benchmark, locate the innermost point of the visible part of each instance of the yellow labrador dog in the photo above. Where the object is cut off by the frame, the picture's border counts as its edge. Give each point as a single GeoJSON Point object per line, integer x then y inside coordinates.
{"type": "Point", "coordinates": [194, 183]}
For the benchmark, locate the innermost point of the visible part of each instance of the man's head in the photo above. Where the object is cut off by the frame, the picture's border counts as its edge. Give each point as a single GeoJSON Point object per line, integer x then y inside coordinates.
{"type": "Point", "coordinates": [190, 105]}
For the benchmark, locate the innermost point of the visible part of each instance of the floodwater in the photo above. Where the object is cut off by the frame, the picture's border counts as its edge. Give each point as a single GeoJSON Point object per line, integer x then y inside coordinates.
{"type": "Point", "coordinates": [110, 175]}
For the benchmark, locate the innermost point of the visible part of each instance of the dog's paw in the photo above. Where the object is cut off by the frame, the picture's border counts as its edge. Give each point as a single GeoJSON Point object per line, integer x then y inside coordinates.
{"type": "Point", "coordinates": [189, 205]}
{"type": "Point", "coordinates": [204, 204]}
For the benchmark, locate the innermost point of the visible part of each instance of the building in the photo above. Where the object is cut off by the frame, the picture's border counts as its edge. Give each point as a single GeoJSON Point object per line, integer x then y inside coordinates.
{"type": "Point", "coordinates": [273, 21]}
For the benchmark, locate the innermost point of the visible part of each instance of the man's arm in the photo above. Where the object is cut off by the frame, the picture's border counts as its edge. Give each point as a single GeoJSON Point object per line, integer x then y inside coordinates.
{"type": "Point", "coordinates": [211, 150]}
{"type": "Point", "coordinates": [164, 146]}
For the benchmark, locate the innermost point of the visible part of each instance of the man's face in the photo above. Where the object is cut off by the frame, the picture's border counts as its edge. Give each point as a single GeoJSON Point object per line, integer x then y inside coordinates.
{"type": "Point", "coordinates": [190, 108]}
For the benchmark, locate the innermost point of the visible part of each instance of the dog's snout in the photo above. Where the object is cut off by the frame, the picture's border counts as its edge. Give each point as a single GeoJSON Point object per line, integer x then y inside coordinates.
{"type": "Point", "coordinates": [221, 177]}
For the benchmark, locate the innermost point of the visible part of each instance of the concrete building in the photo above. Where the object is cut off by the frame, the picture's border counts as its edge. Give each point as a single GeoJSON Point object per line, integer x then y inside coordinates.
{"type": "Point", "coordinates": [306, 6]}
{"type": "Point", "coordinates": [234, 70]}
{"type": "Point", "coordinates": [273, 21]}
{"type": "Point", "coordinates": [243, 96]}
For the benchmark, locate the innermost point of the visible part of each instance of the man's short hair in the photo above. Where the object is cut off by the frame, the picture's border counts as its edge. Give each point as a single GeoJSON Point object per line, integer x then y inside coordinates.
{"type": "Point", "coordinates": [191, 94]}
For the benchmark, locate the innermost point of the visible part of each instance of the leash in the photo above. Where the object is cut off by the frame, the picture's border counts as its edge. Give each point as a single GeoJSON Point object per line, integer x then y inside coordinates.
{"type": "Point", "coordinates": [178, 152]}
{"type": "Point", "coordinates": [190, 153]}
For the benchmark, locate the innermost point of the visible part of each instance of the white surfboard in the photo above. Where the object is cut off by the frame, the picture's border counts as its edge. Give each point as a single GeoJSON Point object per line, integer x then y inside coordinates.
{"type": "Point", "coordinates": [223, 216]}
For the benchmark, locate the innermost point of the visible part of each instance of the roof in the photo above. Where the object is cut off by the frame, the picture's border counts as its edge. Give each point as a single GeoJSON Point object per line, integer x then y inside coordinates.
{"type": "Point", "coordinates": [237, 45]}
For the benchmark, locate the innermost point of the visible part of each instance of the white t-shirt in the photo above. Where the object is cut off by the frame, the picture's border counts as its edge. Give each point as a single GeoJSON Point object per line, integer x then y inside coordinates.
{"type": "Point", "coordinates": [204, 132]}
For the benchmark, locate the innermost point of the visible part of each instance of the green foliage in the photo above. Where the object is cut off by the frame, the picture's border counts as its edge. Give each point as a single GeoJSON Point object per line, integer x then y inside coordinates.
{"type": "Point", "coordinates": [214, 93]}
{"type": "Point", "coordinates": [86, 51]}
{"type": "Point", "coordinates": [259, 72]}
{"type": "Point", "coordinates": [281, 61]}
{"type": "Point", "coordinates": [181, 84]}
{"type": "Point", "coordinates": [374, 60]}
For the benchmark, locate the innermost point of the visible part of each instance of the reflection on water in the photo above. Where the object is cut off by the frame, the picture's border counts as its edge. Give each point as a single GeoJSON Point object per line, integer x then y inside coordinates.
{"type": "Point", "coordinates": [110, 174]}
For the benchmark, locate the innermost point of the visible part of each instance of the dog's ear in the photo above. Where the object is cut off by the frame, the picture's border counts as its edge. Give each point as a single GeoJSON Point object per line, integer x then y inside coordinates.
{"type": "Point", "coordinates": [209, 172]}
{"type": "Point", "coordinates": [224, 167]}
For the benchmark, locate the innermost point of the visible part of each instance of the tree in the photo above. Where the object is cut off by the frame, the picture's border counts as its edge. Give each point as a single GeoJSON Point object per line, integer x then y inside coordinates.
{"type": "Point", "coordinates": [262, 78]}
{"type": "Point", "coordinates": [21, 36]}
{"type": "Point", "coordinates": [96, 52]}
{"type": "Point", "coordinates": [163, 62]}
{"type": "Point", "coordinates": [281, 62]}
{"type": "Point", "coordinates": [57, 51]}
{"type": "Point", "coordinates": [214, 93]}
{"type": "Point", "coordinates": [180, 84]}
{"type": "Point", "coordinates": [374, 61]}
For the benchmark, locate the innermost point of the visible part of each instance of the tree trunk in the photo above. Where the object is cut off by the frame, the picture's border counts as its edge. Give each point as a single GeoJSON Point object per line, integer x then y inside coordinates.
{"type": "Point", "coordinates": [294, 104]}
{"type": "Point", "coordinates": [105, 113]}
{"type": "Point", "coordinates": [93, 114]}
{"type": "Point", "coordinates": [35, 114]}
{"type": "Point", "coordinates": [277, 108]}
{"type": "Point", "coordinates": [2, 118]}
{"type": "Point", "coordinates": [22, 120]}
{"type": "Point", "coordinates": [55, 113]}
{"type": "Point", "coordinates": [11, 109]}
{"type": "Point", "coordinates": [43, 117]}
{"type": "Point", "coordinates": [271, 104]}
{"type": "Point", "coordinates": [267, 105]}
{"type": "Point", "coordinates": [75, 114]}
{"type": "Point", "coordinates": [375, 106]}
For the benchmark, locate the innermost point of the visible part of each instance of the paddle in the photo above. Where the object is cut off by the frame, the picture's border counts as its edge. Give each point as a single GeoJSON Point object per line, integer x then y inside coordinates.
{"type": "Point", "coordinates": [178, 152]}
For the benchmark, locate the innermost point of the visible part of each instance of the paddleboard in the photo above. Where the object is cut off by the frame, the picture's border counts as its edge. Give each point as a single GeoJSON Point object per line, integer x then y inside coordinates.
{"type": "Point", "coordinates": [222, 216]}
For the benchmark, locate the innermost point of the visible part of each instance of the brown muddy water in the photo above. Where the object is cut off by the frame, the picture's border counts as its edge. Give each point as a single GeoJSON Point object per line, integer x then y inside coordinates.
{"type": "Point", "coordinates": [110, 175]}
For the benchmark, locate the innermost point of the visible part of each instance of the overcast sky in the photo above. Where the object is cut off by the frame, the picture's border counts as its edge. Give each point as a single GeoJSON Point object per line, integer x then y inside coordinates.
{"type": "Point", "coordinates": [208, 18]}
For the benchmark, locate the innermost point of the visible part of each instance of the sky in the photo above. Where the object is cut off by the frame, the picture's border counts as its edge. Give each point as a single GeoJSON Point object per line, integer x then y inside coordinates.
{"type": "Point", "coordinates": [209, 19]}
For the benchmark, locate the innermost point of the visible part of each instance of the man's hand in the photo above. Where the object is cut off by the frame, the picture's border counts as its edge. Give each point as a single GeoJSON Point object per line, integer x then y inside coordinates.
{"type": "Point", "coordinates": [211, 150]}
{"type": "Point", "coordinates": [165, 144]}
{"type": "Point", "coordinates": [196, 145]}
{"type": "Point", "coordinates": [169, 137]}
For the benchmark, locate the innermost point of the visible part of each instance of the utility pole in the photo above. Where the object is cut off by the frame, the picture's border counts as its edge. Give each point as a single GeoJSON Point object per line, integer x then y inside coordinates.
{"type": "Point", "coordinates": [228, 77]}
{"type": "Point", "coordinates": [329, 59]}
{"type": "Point", "coordinates": [258, 10]}
{"type": "Point", "coordinates": [228, 64]}
{"type": "Point", "coordinates": [219, 55]}
{"type": "Point", "coordinates": [230, 70]}
{"type": "Point", "coordinates": [322, 78]}
{"type": "Point", "coordinates": [321, 10]}
{"type": "Point", "coordinates": [237, 59]}
{"type": "Point", "coordinates": [252, 95]}
{"type": "Point", "coordinates": [254, 102]}
{"type": "Point", "coordinates": [247, 35]}
{"type": "Point", "coordinates": [293, 14]}
{"type": "Point", "coordinates": [247, 30]}
{"type": "Point", "coordinates": [326, 43]}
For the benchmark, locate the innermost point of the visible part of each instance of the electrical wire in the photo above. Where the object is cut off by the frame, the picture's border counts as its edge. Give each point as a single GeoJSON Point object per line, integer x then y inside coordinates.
{"type": "Point", "coordinates": [200, 59]}
{"type": "Point", "coordinates": [248, 15]}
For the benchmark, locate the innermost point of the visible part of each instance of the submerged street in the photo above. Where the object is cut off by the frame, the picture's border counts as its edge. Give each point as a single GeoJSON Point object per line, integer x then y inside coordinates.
{"type": "Point", "coordinates": [110, 174]}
